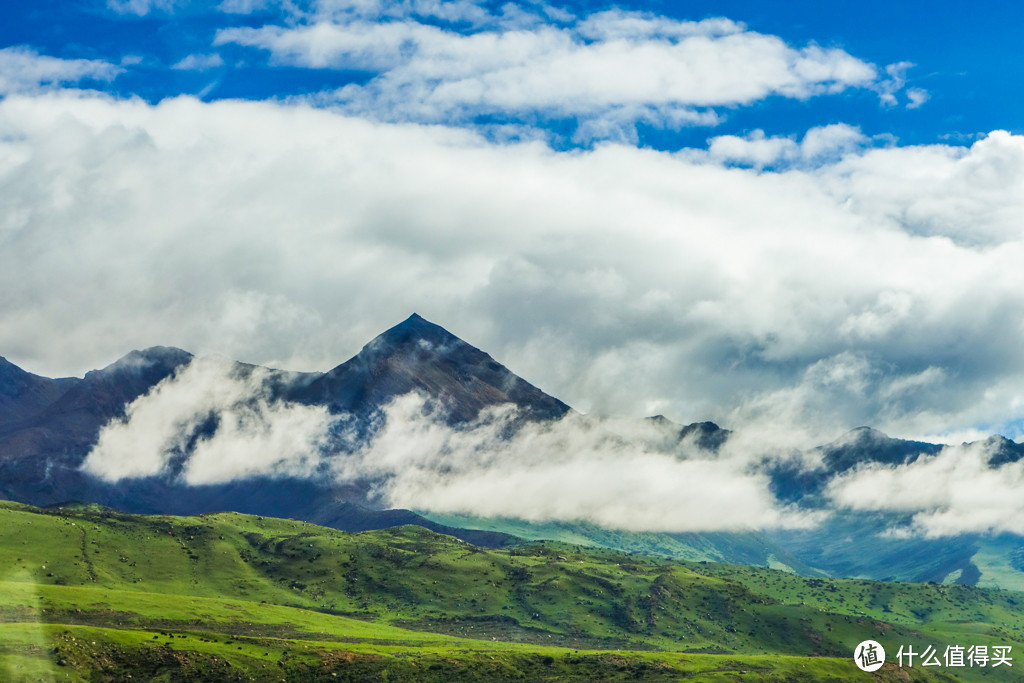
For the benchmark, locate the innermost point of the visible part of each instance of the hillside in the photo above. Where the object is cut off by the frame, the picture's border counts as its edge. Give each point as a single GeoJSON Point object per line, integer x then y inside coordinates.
{"type": "Point", "coordinates": [89, 594]}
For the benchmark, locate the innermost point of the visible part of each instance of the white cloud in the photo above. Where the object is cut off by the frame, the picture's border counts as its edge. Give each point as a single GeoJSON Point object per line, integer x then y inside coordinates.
{"type": "Point", "coordinates": [243, 6]}
{"type": "Point", "coordinates": [881, 288]}
{"type": "Point", "coordinates": [951, 493]}
{"type": "Point", "coordinates": [144, 7]}
{"type": "Point", "coordinates": [197, 62]}
{"type": "Point", "coordinates": [212, 424]}
{"type": "Point", "coordinates": [833, 140]}
{"type": "Point", "coordinates": [971, 195]}
{"type": "Point", "coordinates": [916, 97]}
{"type": "Point", "coordinates": [756, 149]}
{"type": "Point", "coordinates": [22, 69]}
{"type": "Point", "coordinates": [254, 435]}
{"type": "Point", "coordinates": [888, 88]}
{"type": "Point", "coordinates": [609, 65]}
{"type": "Point", "coordinates": [619, 474]}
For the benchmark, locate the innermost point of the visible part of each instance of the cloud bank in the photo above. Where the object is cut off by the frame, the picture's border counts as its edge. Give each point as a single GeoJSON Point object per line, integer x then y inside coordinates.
{"type": "Point", "coordinates": [878, 286]}
{"type": "Point", "coordinates": [620, 474]}
{"type": "Point", "coordinates": [954, 492]}
{"type": "Point", "coordinates": [213, 423]}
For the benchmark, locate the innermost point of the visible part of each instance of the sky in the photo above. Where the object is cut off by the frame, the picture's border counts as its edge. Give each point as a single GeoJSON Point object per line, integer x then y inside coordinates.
{"type": "Point", "coordinates": [791, 217]}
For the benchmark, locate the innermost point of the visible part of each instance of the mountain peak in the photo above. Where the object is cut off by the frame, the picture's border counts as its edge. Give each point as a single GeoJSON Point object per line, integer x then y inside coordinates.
{"type": "Point", "coordinates": [418, 355]}
{"type": "Point", "coordinates": [414, 328]}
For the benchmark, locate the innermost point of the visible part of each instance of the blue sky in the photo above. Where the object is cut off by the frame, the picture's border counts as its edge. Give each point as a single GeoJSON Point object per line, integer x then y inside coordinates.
{"type": "Point", "coordinates": [792, 217]}
{"type": "Point", "coordinates": [960, 61]}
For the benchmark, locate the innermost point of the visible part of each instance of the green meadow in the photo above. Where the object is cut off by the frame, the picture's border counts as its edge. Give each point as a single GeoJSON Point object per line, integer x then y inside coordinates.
{"type": "Point", "coordinates": [88, 594]}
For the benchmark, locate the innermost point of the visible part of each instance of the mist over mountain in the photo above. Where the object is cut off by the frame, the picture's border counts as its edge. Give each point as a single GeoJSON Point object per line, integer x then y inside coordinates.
{"type": "Point", "coordinates": [421, 419]}
{"type": "Point", "coordinates": [48, 428]}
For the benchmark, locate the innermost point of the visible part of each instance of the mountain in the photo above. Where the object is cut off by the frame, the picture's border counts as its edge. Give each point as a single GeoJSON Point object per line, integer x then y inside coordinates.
{"type": "Point", "coordinates": [417, 355]}
{"type": "Point", "coordinates": [49, 426]}
{"type": "Point", "coordinates": [69, 420]}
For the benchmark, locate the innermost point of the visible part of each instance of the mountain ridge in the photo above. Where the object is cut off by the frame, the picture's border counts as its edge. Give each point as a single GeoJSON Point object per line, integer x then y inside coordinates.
{"type": "Point", "coordinates": [52, 424]}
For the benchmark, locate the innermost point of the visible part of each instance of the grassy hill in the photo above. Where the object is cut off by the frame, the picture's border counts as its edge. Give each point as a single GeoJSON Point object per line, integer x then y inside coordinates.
{"type": "Point", "coordinates": [90, 594]}
{"type": "Point", "coordinates": [751, 547]}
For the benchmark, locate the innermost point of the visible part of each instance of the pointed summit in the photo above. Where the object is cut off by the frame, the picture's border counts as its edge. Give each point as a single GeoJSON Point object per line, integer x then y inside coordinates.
{"type": "Point", "coordinates": [416, 329]}
{"type": "Point", "coordinates": [417, 355]}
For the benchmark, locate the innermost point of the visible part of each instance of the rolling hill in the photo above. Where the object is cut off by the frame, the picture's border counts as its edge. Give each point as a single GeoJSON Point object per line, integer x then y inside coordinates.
{"type": "Point", "coordinates": [92, 594]}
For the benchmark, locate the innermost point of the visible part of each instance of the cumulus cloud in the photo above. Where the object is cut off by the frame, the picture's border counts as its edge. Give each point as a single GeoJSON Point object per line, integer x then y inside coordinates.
{"type": "Point", "coordinates": [877, 286]}
{"type": "Point", "coordinates": [216, 422]}
{"type": "Point", "coordinates": [22, 69]}
{"type": "Point", "coordinates": [967, 194]}
{"type": "Point", "coordinates": [757, 150]}
{"type": "Point", "coordinates": [954, 492]}
{"type": "Point", "coordinates": [611, 65]}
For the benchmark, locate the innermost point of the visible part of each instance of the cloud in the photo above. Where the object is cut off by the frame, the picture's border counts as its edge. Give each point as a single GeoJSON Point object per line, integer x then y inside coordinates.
{"type": "Point", "coordinates": [954, 492]}
{"type": "Point", "coordinates": [756, 150]}
{"type": "Point", "coordinates": [144, 7]}
{"type": "Point", "coordinates": [875, 286]}
{"type": "Point", "coordinates": [214, 422]}
{"type": "Point", "coordinates": [243, 6]}
{"type": "Point", "coordinates": [819, 144]}
{"type": "Point", "coordinates": [917, 97]}
{"type": "Point", "coordinates": [198, 62]}
{"type": "Point", "coordinates": [628, 67]}
{"type": "Point", "coordinates": [170, 426]}
{"type": "Point", "coordinates": [22, 69]}
{"type": "Point", "coordinates": [889, 88]}
{"type": "Point", "coordinates": [966, 194]}
{"type": "Point", "coordinates": [619, 474]}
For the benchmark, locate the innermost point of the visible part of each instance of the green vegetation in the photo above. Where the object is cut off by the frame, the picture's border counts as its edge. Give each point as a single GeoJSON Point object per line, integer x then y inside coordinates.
{"type": "Point", "coordinates": [743, 547]}
{"type": "Point", "coordinates": [90, 594]}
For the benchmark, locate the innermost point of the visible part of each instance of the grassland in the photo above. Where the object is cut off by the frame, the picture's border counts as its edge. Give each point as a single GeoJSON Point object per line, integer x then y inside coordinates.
{"type": "Point", "coordinates": [87, 594]}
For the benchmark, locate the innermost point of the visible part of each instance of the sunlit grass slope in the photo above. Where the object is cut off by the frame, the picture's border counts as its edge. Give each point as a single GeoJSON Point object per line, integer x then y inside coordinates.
{"type": "Point", "coordinates": [90, 594]}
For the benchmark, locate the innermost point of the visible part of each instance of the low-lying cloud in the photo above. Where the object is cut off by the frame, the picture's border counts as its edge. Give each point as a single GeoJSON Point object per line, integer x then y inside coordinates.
{"type": "Point", "coordinates": [212, 424]}
{"type": "Point", "coordinates": [622, 474]}
{"type": "Point", "coordinates": [216, 422]}
{"type": "Point", "coordinates": [954, 492]}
